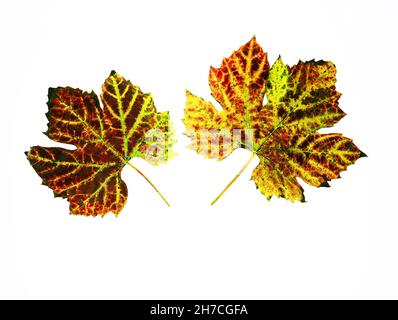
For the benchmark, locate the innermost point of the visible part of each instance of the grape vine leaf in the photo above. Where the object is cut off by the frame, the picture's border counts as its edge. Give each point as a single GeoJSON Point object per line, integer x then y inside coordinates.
{"type": "Point", "coordinates": [283, 132]}
{"type": "Point", "coordinates": [105, 139]}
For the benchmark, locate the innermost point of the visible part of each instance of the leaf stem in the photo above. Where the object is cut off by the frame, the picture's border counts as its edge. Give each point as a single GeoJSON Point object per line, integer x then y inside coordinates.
{"type": "Point", "coordinates": [233, 180]}
{"type": "Point", "coordinates": [149, 181]}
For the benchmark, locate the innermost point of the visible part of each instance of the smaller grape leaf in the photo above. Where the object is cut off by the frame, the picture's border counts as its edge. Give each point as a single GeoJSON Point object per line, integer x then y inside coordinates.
{"type": "Point", "coordinates": [105, 139]}
{"type": "Point", "coordinates": [283, 133]}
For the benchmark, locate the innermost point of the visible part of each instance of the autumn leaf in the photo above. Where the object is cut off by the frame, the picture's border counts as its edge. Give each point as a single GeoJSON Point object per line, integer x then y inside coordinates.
{"type": "Point", "coordinates": [105, 139]}
{"type": "Point", "coordinates": [283, 133]}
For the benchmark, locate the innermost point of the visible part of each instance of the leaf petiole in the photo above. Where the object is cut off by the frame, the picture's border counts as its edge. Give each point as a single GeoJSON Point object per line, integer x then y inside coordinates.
{"type": "Point", "coordinates": [233, 180]}
{"type": "Point", "coordinates": [149, 181]}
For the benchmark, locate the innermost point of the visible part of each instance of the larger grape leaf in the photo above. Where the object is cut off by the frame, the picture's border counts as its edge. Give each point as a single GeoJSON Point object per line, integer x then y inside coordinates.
{"type": "Point", "coordinates": [283, 133]}
{"type": "Point", "coordinates": [105, 138]}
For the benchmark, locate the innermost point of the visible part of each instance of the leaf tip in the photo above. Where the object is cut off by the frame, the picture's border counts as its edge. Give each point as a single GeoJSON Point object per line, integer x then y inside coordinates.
{"type": "Point", "coordinates": [212, 74]}
{"type": "Point", "coordinates": [52, 92]}
{"type": "Point", "coordinates": [188, 93]}
{"type": "Point", "coordinates": [279, 60]}
{"type": "Point", "coordinates": [52, 95]}
{"type": "Point", "coordinates": [324, 184]}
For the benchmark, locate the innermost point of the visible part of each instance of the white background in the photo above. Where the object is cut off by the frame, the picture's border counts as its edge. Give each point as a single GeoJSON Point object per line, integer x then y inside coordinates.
{"type": "Point", "coordinates": [342, 243]}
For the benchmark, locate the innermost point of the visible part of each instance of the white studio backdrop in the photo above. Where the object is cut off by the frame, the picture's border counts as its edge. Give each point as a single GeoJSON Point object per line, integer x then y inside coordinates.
{"type": "Point", "coordinates": [340, 244]}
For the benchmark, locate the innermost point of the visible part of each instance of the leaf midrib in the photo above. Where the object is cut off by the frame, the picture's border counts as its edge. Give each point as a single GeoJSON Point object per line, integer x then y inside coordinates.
{"type": "Point", "coordinates": [122, 116]}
